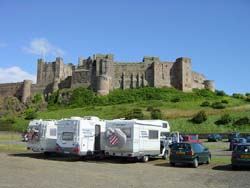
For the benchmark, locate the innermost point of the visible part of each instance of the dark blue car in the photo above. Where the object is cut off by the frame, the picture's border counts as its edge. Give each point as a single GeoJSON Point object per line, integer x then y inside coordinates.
{"type": "Point", "coordinates": [214, 138]}
{"type": "Point", "coordinates": [236, 141]}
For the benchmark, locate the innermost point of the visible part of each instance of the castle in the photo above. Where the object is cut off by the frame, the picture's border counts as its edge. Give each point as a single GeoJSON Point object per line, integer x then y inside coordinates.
{"type": "Point", "coordinates": [103, 74]}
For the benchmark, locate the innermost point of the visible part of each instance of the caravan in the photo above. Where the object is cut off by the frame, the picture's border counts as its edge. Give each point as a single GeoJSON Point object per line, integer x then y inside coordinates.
{"type": "Point", "coordinates": [135, 138]}
{"type": "Point", "coordinates": [42, 136]}
{"type": "Point", "coordinates": [81, 136]}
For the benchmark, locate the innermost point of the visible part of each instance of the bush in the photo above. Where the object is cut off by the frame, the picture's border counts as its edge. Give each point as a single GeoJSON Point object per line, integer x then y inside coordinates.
{"type": "Point", "coordinates": [199, 117]}
{"type": "Point", "coordinates": [135, 113]}
{"type": "Point", "coordinates": [38, 98]}
{"type": "Point", "coordinates": [248, 99]}
{"type": "Point", "coordinates": [156, 114]}
{"type": "Point", "coordinates": [220, 93]}
{"type": "Point", "coordinates": [30, 114]}
{"type": "Point", "coordinates": [218, 105]}
{"type": "Point", "coordinates": [242, 121]}
{"type": "Point", "coordinates": [176, 99]}
{"type": "Point", "coordinates": [224, 101]}
{"type": "Point", "coordinates": [238, 96]}
{"type": "Point", "coordinates": [150, 108]}
{"type": "Point", "coordinates": [204, 104]}
{"type": "Point", "coordinates": [225, 119]}
{"type": "Point", "coordinates": [82, 97]}
{"type": "Point", "coordinates": [247, 94]}
{"type": "Point", "coordinates": [204, 93]}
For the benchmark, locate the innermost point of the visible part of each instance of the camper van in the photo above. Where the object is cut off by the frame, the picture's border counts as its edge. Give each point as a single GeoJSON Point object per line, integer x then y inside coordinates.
{"type": "Point", "coordinates": [135, 138]}
{"type": "Point", "coordinates": [42, 136]}
{"type": "Point", "coordinates": [81, 136]}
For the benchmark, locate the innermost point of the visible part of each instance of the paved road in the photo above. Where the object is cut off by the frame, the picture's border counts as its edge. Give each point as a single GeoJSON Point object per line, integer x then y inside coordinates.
{"type": "Point", "coordinates": [35, 171]}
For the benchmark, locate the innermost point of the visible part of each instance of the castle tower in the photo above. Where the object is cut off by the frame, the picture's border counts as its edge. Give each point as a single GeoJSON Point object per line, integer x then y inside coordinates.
{"type": "Point", "coordinates": [26, 92]}
{"type": "Point", "coordinates": [104, 72]}
{"type": "Point", "coordinates": [40, 66]}
{"type": "Point", "coordinates": [209, 84]}
{"type": "Point", "coordinates": [59, 68]}
{"type": "Point", "coordinates": [183, 74]}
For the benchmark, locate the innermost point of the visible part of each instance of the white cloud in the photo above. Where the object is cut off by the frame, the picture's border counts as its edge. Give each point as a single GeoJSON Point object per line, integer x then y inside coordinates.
{"type": "Point", "coordinates": [15, 74]}
{"type": "Point", "coordinates": [41, 46]}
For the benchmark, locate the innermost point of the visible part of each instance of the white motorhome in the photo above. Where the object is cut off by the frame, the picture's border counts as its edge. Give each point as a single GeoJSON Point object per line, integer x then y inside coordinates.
{"type": "Point", "coordinates": [135, 138]}
{"type": "Point", "coordinates": [81, 136]}
{"type": "Point", "coordinates": [42, 136]}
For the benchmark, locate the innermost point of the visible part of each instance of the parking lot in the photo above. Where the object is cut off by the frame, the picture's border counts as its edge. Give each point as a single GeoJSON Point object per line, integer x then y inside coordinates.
{"type": "Point", "coordinates": [34, 170]}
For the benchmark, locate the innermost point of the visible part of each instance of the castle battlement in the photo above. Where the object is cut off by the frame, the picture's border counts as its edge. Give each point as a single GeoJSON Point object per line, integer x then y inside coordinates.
{"type": "Point", "coordinates": [103, 74]}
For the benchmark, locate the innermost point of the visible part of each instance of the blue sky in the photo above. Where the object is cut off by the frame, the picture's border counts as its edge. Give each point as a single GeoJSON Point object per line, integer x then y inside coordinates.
{"type": "Point", "coordinates": [215, 34]}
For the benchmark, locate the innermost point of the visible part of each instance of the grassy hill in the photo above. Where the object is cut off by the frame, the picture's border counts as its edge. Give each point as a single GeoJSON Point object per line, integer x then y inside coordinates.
{"type": "Point", "coordinates": [175, 106]}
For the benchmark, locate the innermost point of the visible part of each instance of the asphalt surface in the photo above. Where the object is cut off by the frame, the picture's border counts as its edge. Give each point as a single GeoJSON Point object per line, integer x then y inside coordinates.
{"type": "Point", "coordinates": [35, 170]}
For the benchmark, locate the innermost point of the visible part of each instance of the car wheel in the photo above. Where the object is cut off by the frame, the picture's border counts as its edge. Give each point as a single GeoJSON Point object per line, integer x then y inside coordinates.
{"type": "Point", "coordinates": [145, 158]}
{"type": "Point", "coordinates": [209, 160]}
{"type": "Point", "coordinates": [172, 164]}
{"type": "Point", "coordinates": [196, 163]}
{"type": "Point", "coordinates": [234, 167]}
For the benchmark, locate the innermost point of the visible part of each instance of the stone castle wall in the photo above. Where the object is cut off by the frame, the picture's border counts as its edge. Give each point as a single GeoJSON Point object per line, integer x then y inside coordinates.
{"type": "Point", "coordinates": [103, 74]}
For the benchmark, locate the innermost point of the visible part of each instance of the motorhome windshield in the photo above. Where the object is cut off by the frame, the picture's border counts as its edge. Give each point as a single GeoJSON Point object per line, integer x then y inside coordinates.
{"type": "Point", "coordinates": [67, 136]}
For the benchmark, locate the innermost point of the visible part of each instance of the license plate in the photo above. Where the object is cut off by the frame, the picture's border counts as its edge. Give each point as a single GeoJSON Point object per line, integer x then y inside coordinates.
{"type": "Point", "coordinates": [245, 156]}
{"type": "Point", "coordinates": [180, 153]}
{"type": "Point", "coordinates": [66, 152]}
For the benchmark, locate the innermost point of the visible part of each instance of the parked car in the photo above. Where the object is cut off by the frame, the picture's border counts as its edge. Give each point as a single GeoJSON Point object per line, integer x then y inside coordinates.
{"type": "Point", "coordinates": [191, 138]}
{"type": "Point", "coordinates": [214, 138]}
{"type": "Point", "coordinates": [234, 135]}
{"type": "Point", "coordinates": [240, 156]}
{"type": "Point", "coordinates": [192, 153]}
{"type": "Point", "coordinates": [234, 142]}
{"type": "Point", "coordinates": [248, 139]}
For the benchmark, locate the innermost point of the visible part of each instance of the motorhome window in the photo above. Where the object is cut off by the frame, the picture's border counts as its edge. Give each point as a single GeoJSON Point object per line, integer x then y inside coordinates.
{"type": "Point", "coordinates": [164, 125]}
{"type": "Point", "coordinates": [67, 136]}
{"type": "Point", "coordinates": [127, 131]}
{"type": "Point", "coordinates": [153, 134]}
{"type": "Point", "coordinates": [52, 132]}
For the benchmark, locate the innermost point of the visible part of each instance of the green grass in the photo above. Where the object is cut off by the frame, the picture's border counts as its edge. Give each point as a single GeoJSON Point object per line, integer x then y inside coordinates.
{"type": "Point", "coordinates": [221, 160]}
{"type": "Point", "coordinates": [10, 137]}
{"type": "Point", "coordinates": [12, 148]}
{"type": "Point", "coordinates": [118, 103]}
{"type": "Point", "coordinates": [216, 145]}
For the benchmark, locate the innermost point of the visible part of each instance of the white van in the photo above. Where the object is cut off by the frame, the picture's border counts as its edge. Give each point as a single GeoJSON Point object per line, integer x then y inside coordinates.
{"type": "Point", "coordinates": [135, 138]}
{"type": "Point", "coordinates": [42, 136]}
{"type": "Point", "coordinates": [81, 136]}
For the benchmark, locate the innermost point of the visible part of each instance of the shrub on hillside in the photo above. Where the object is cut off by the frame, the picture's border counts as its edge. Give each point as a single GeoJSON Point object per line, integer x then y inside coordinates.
{"type": "Point", "coordinates": [220, 93]}
{"type": "Point", "coordinates": [205, 103]}
{"type": "Point", "coordinates": [247, 94]}
{"type": "Point", "coordinates": [30, 114]}
{"type": "Point", "coordinates": [248, 99]}
{"type": "Point", "coordinates": [224, 101]}
{"type": "Point", "coordinates": [238, 96]}
{"type": "Point", "coordinates": [218, 105]}
{"type": "Point", "coordinates": [176, 99]}
{"type": "Point", "coordinates": [199, 117]}
{"type": "Point", "coordinates": [150, 108]}
{"type": "Point", "coordinates": [242, 121]}
{"type": "Point", "coordinates": [224, 120]}
{"type": "Point", "coordinates": [204, 93]}
{"type": "Point", "coordinates": [82, 97]}
{"type": "Point", "coordinates": [156, 114]}
{"type": "Point", "coordinates": [135, 113]}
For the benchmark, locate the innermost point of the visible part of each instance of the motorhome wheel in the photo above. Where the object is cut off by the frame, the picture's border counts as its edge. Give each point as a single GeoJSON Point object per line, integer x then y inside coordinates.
{"type": "Point", "coordinates": [145, 158]}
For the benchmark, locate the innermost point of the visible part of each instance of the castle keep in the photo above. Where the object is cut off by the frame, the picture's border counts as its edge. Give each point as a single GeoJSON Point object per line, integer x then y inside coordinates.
{"type": "Point", "coordinates": [103, 74]}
